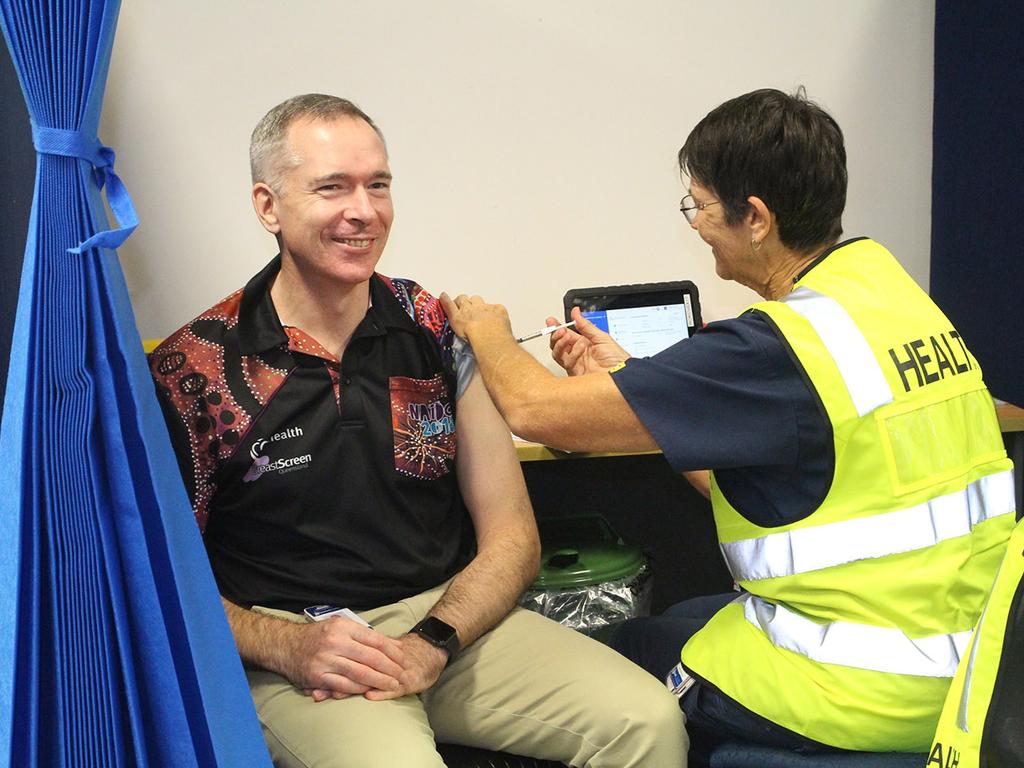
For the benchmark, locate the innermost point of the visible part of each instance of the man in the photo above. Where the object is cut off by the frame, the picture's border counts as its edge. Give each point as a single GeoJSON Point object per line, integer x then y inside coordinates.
{"type": "Point", "coordinates": [861, 493]}
{"type": "Point", "coordinates": [339, 451]}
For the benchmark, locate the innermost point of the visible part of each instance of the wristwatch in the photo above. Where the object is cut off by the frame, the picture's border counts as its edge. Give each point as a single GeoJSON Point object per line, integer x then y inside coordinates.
{"type": "Point", "coordinates": [439, 634]}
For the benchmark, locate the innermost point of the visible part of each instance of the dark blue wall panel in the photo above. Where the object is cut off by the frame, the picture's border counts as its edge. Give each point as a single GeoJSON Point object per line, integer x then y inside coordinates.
{"type": "Point", "coordinates": [977, 269]}
{"type": "Point", "coordinates": [17, 178]}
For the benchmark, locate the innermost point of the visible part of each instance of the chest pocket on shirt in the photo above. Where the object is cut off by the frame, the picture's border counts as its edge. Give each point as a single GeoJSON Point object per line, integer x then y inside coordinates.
{"type": "Point", "coordinates": [423, 423]}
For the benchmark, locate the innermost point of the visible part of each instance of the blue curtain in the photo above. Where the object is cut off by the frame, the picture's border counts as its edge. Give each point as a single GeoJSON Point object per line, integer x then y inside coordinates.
{"type": "Point", "coordinates": [114, 650]}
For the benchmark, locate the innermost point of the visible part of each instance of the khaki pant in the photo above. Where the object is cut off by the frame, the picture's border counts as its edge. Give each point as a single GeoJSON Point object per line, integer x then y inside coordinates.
{"type": "Point", "coordinates": [529, 686]}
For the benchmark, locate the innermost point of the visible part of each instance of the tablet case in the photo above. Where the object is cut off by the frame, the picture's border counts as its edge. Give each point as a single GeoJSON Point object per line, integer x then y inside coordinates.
{"type": "Point", "coordinates": [635, 295]}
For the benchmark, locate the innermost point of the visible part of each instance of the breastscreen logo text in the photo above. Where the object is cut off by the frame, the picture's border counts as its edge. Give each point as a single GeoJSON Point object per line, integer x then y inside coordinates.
{"type": "Point", "coordinates": [261, 463]}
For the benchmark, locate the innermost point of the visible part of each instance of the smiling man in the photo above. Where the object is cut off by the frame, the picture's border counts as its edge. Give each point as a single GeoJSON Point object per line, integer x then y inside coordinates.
{"type": "Point", "coordinates": [341, 453]}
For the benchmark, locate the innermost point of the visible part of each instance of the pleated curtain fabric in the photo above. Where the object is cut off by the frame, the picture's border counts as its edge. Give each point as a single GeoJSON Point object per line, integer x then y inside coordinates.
{"type": "Point", "coordinates": [114, 650]}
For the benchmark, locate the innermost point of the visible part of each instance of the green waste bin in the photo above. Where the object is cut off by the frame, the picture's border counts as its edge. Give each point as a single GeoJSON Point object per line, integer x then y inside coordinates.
{"type": "Point", "coordinates": [589, 577]}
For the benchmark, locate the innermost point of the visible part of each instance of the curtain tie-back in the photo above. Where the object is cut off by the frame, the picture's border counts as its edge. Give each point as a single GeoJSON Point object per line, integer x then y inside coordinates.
{"type": "Point", "coordinates": [57, 141]}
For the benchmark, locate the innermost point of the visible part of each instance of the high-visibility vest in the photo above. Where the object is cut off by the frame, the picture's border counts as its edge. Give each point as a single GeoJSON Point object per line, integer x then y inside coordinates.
{"type": "Point", "coordinates": [982, 723]}
{"type": "Point", "coordinates": [853, 620]}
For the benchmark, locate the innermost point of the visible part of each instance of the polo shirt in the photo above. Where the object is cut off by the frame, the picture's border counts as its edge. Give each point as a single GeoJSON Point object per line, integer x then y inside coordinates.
{"type": "Point", "coordinates": [318, 480]}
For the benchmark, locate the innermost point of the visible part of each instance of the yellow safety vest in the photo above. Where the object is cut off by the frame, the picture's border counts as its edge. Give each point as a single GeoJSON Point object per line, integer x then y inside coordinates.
{"type": "Point", "coordinates": [980, 723]}
{"type": "Point", "coordinates": [853, 619]}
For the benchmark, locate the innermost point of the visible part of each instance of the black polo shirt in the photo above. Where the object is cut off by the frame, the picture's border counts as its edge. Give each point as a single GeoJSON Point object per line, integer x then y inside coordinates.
{"type": "Point", "coordinates": [317, 480]}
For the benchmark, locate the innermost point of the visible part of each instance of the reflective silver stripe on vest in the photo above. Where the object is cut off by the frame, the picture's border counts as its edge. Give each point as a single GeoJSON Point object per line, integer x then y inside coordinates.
{"type": "Point", "coordinates": [923, 525]}
{"type": "Point", "coordinates": [847, 346]}
{"type": "Point", "coordinates": [965, 695]}
{"type": "Point", "coordinates": [880, 649]}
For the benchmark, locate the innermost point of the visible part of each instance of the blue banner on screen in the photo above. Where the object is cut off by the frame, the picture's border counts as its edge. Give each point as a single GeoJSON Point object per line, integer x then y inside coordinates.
{"type": "Point", "coordinates": [643, 331]}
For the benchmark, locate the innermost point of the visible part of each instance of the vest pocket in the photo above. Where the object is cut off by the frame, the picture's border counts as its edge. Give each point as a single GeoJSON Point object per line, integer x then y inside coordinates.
{"type": "Point", "coordinates": [941, 440]}
{"type": "Point", "coordinates": [423, 424]}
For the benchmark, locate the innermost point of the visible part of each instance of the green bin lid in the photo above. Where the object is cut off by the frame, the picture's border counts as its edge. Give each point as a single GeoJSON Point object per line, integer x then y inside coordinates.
{"type": "Point", "coordinates": [582, 551]}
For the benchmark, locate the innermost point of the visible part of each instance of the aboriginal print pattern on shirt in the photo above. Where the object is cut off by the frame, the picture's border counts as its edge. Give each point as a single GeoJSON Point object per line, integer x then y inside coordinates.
{"type": "Point", "coordinates": [424, 426]}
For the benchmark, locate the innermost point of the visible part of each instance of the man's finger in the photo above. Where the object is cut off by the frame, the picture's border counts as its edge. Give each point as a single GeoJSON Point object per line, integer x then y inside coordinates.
{"type": "Point", "coordinates": [372, 658]}
{"type": "Point", "coordinates": [321, 694]}
{"type": "Point", "coordinates": [376, 695]}
{"type": "Point", "coordinates": [388, 646]}
{"type": "Point", "coordinates": [352, 677]}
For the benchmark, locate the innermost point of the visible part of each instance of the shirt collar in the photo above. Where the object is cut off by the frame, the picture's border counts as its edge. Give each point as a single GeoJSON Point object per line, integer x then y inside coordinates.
{"type": "Point", "coordinates": [259, 327]}
{"type": "Point", "coordinates": [386, 307]}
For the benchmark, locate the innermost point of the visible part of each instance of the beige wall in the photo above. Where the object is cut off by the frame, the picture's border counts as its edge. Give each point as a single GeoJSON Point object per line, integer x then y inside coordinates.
{"type": "Point", "coordinates": [533, 142]}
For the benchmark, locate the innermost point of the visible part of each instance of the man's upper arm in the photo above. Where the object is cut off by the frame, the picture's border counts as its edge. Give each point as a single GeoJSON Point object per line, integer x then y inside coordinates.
{"type": "Point", "coordinates": [488, 469]}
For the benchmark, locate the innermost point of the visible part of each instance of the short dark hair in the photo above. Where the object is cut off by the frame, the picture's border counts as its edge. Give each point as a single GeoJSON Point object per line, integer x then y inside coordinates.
{"type": "Point", "coordinates": [267, 159]}
{"type": "Point", "coordinates": [784, 149]}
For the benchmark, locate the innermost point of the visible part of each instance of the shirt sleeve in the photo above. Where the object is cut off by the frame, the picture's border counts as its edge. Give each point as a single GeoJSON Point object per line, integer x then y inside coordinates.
{"type": "Point", "coordinates": [721, 399]}
{"type": "Point", "coordinates": [465, 365]}
{"type": "Point", "coordinates": [456, 357]}
{"type": "Point", "coordinates": [175, 421]}
{"type": "Point", "coordinates": [196, 466]}
{"type": "Point", "coordinates": [734, 399]}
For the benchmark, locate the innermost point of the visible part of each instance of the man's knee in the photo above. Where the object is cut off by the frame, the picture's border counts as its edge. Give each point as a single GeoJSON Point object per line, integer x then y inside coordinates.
{"type": "Point", "coordinates": [643, 726]}
{"type": "Point", "coordinates": [657, 712]}
{"type": "Point", "coordinates": [666, 718]}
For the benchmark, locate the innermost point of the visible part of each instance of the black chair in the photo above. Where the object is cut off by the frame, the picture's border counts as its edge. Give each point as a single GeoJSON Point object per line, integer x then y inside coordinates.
{"type": "Point", "coordinates": [456, 756]}
{"type": "Point", "coordinates": [736, 755]}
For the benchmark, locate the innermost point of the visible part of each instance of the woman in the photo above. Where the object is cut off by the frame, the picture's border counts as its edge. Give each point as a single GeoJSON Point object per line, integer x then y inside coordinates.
{"type": "Point", "coordinates": [860, 490]}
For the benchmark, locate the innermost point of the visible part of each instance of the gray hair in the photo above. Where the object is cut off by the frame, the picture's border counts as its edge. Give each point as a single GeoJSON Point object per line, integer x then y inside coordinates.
{"type": "Point", "coordinates": [267, 158]}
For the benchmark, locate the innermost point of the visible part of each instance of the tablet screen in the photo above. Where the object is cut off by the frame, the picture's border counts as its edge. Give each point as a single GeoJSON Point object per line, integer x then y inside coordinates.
{"type": "Point", "coordinates": [643, 331]}
{"type": "Point", "coordinates": [644, 319]}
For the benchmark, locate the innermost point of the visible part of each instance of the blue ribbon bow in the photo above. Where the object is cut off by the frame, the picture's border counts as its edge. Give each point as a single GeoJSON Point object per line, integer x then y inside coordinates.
{"type": "Point", "coordinates": [56, 141]}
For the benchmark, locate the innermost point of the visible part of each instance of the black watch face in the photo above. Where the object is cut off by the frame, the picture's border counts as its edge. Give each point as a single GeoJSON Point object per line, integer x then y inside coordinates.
{"type": "Point", "coordinates": [437, 630]}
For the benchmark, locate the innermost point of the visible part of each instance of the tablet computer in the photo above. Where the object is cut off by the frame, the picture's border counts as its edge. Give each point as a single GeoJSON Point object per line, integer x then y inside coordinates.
{"type": "Point", "coordinates": [644, 318]}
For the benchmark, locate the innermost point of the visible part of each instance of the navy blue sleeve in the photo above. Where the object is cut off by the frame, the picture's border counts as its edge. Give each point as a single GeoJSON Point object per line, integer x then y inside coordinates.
{"type": "Point", "coordinates": [720, 399]}
{"type": "Point", "coordinates": [733, 399]}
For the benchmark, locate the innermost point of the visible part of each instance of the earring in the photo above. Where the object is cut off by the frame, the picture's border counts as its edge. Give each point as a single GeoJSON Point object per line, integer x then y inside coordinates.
{"type": "Point", "coordinates": [755, 245]}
